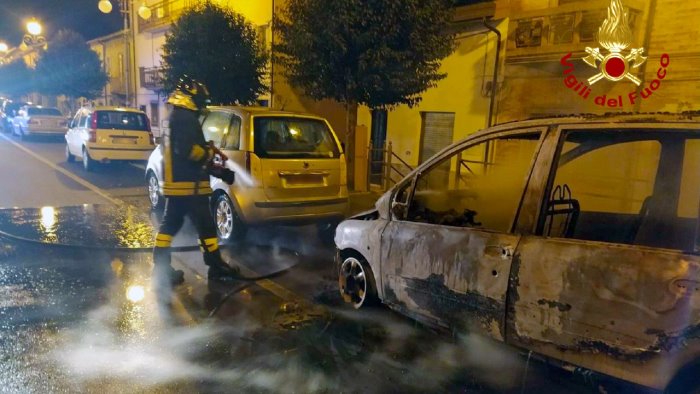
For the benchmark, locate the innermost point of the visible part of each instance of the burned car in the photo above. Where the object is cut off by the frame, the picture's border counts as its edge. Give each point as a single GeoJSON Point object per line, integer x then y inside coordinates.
{"type": "Point", "coordinates": [574, 238]}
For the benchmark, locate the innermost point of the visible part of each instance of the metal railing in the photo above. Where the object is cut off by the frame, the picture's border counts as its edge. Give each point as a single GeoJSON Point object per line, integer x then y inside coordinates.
{"type": "Point", "coordinates": [385, 168]}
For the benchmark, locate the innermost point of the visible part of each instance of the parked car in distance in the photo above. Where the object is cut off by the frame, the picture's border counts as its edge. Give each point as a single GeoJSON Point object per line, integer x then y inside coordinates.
{"type": "Point", "coordinates": [576, 239]}
{"type": "Point", "coordinates": [39, 120]}
{"type": "Point", "coordinates": [7, 112]}
{"type": "Point", "coordinates": [107, 134]}
{"type": "Point", "coordinates": [290, 168]}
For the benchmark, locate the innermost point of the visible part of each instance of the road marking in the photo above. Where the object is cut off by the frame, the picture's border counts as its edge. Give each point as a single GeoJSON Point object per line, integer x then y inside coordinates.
{"type": "Point", "coordinates": [65, 172]}
{"type": "Point", "coordinates": [272, 287]}
{"type": "Point", "coordinates": [139, 166]}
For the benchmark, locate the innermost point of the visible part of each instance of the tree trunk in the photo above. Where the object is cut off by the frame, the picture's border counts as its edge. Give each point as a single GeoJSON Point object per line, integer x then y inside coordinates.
{"type": "Point", "coordinates": [350, 125]}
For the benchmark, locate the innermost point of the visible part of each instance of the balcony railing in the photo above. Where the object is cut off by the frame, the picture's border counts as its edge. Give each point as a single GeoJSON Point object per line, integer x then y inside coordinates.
{"type": "Point", "coordinates": [164, 13]}
{"type": "Point", "coordinates": [151, 78]}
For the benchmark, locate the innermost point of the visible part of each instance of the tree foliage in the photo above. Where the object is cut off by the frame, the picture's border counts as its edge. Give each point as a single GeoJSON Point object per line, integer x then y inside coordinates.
{"type": "Point", "coordinates": [69, 67]}
{"type": "Point", "coordinates": [380, 53]}
{"type": "Point", "coordinates": [16, 79]}
{"type": "Point", "coordinates": [220, 48]}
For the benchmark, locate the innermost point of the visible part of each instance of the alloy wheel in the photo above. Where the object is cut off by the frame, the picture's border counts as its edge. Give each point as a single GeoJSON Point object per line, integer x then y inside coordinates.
{"type": "Point", "coordinates": [353, 282]}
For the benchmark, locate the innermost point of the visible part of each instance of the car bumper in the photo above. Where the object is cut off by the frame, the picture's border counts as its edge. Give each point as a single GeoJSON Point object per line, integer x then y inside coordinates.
{"type": "Point", "coordinates": [111, 153]}
{"type": "Point", "coordinates": [45, 131]}
{"type": "Point", "coordinates": [261, 210]}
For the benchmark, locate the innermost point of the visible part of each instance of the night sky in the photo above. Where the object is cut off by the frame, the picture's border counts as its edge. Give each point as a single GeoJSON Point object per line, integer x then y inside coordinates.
{"type": "Point", "coordinates": [79, 15]}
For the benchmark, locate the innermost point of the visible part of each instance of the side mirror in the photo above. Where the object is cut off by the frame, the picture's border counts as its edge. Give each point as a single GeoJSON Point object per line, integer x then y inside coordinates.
{"type": "Point", "coordinates": [158, 140]}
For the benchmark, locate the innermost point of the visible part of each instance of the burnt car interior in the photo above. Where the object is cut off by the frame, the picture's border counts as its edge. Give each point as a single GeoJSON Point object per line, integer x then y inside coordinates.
{"type": "Point", "coordinates": [645, 194]}
{"type": "Point", "coordinates": [479, 186]}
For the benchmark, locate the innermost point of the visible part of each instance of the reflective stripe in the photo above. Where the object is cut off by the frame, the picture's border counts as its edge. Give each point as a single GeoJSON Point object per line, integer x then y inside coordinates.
{"type": "Point", "coordinates": [167, 160]}
{"type": "Point", "coordinates": [212, 244]}
{"type": "Point", "coordinates": [185, 185]}
{"type": "Point", "coordinates": [187, 192]}
{"type": "Point", "coordinates": [164, 237]}
{"type": "Point", "coordinates": [162, 244]}
{"type": "Point", "coordinates": [197, 153]}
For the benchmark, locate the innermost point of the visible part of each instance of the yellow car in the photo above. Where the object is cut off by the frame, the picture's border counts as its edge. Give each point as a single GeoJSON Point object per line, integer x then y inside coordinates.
{"type": "Point", "coordinates": [106, 134]}
{"type": "Point", "coordinates": [289, 167]}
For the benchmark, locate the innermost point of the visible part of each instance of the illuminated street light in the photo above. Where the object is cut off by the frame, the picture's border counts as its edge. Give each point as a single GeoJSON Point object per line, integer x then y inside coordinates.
{"type": "Point", "coordinates": [3, 47]}
{"type": "Point", "coordinates": [34, 27]}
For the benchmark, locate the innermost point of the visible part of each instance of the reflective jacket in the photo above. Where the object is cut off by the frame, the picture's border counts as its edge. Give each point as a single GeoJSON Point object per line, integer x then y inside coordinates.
{"type": "Point", "coordinates": [185, 156]}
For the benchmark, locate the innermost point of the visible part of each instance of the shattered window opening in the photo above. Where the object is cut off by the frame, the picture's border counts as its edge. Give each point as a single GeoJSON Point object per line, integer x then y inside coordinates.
{"type": "Point", "coordinates": [626, 186]}
{"type": "Point", "coordinates": [485, 195]}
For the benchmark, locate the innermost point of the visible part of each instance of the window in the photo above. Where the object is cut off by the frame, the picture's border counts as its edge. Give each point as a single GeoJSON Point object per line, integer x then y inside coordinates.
{"type": "Point", "coordinates": [631, 187]}
{"type": "Point", "coordinates": [36, 111]}
{"type": "Point", "coordinates": [121, 120]}
{"type": "Point", "coordinates": [480, 186]}
{"type": "Point", "coordinates": [155, 116]}
{"type": "Point", "coordinates": [293, 137]}
{"type": "Point", "coordinates": [215, 126]}
{"type": "Point", "coordinates": [232, 138]}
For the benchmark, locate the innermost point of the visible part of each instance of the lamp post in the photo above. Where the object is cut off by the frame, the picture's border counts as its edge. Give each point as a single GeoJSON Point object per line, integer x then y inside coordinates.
{"type": "Point", "coordinates": [105, 6]}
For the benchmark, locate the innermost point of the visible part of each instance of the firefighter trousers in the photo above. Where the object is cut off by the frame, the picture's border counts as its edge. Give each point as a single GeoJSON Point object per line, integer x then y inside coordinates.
{"type": "Point", "coordinates": [197, 208]}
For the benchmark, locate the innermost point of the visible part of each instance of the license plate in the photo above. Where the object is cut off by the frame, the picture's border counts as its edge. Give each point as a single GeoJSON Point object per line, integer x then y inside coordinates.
{"type": "Point", "coordinates": [131, 141]}
{"type": "Point", "coordinates": [305, 179]}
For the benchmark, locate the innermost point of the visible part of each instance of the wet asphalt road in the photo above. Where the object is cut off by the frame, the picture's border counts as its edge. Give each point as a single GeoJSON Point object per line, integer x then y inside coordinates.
{"type": "Point", "coordinates": [86, 319]}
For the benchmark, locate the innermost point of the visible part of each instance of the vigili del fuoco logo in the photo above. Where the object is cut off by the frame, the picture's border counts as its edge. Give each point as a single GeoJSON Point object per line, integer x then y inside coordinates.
{"type": "Point", "coordinates": [616, 63]}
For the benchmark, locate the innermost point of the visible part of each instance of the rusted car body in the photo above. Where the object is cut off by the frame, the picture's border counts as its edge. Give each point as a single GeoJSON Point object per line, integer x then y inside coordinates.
{"type": "Point", "coordinates": [574, 238]}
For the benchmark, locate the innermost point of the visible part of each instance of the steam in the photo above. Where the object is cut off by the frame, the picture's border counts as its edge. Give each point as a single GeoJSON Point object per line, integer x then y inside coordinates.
{"type": "Point", "coordinates": [241, 174]}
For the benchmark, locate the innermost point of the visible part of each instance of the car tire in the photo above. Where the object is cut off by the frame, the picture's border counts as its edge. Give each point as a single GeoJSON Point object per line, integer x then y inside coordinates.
{"type": "Point", "coordinates": [356, 282]}
{"type": "Point", "coordinates": [70, 158]}
{"type": "Point", "coordinates": [326, 232]}
{"type": "Point", "coordinates": [152, 187]}
{"type": "Point", "coordinates": [88, 162]}
{"type": "Point", "coordinates": [229, 226]}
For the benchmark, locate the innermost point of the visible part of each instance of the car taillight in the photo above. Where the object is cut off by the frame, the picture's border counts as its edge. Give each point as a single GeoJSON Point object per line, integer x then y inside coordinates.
{"type": "Point", "coordinates": [93, 127]}
{"type": "Point", "coordinates": [150, 132]}
{"type": "Point", "coordinates": [247, 162]}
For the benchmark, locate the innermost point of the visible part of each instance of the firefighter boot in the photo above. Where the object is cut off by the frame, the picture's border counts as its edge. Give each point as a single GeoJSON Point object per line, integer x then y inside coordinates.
{"type": "Point", "coordinates": [218, 269]}
{"type": "Point", "coordinates": [163, 273]}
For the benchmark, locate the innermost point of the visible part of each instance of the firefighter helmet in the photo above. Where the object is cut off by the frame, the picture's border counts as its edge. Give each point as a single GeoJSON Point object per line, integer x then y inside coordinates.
{"type": "Point", "coordinates": [190, 94]}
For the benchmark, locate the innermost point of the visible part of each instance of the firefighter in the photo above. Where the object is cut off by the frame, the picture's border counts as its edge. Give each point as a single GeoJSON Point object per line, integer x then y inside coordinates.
{"type": "Point", "coordinates": [187, 158]}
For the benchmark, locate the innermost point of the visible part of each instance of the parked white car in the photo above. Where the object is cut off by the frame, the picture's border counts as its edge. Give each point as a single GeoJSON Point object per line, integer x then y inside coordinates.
{"type": "Point", "coordinates": [37, 120]}
{"type": "Point", "coordinates": [289, 167]}
{"type": "Point", "coordinates": [106, 134]}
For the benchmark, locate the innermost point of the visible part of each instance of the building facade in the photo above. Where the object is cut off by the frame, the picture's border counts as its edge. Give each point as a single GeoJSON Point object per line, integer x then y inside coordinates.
{"type": "Point", "coordinates": [111, 50]}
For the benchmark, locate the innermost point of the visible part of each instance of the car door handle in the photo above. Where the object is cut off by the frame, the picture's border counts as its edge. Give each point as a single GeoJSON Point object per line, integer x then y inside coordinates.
{"type": "Point", "coordinates": [504, 251]}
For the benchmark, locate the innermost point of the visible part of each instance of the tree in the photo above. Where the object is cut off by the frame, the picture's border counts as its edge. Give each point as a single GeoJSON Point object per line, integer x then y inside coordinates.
{"type": "Point", "coordinates": [219, 48]}
{"type": "Point", "coordinates": [380, 53]}
{"type": "Point", "coordinates": [69, 67]}
{"type": "Point", "coordinates": [16, 79]}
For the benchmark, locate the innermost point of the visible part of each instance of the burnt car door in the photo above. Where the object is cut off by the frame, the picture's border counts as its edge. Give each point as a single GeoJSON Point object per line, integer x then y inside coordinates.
{"type": "Point", "coordinates": [446, 253]}
{"type": "Point", "coordinates": [609, 281]}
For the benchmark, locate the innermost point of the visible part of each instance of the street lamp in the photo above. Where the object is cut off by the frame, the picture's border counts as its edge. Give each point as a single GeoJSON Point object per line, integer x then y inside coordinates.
{"type": "Point", "coordinates": [33, 36]}
{"type": "Point", "coordinates": [105, 6]}
{"type": "Point", "coordinates": [3, 47]}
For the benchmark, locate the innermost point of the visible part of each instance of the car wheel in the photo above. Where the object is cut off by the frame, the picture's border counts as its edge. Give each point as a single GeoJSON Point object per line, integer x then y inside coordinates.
{"type": "Point", "coordinates": [154, 196]}
{"type": "Point", "coordinates": [229, 226]}
{"type": "Point", "coordinates": [88, 163]}
{"type": "Point", "coordinates": [356, 282]}
{"type": "Point", "coordinates": [326, 232]}
{"type": "Point", "coordinates": [69, 156]}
